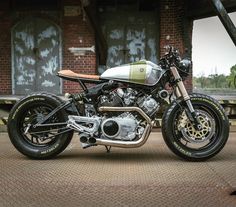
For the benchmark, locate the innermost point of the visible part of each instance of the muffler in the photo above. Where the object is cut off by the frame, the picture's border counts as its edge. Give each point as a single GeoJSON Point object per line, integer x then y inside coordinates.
{"type": "Point", "coordinates": [91, 140]}
{"type": "Point", "coordinates": [83, 139]}
{"type": "Point", "coordinates": [87, 141]}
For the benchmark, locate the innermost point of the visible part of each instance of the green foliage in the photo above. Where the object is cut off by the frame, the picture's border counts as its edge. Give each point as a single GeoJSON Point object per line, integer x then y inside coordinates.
{"type": "Point", "coordinates": [231, 79]}
{"type": "Point", "coordinates": [216, 80]}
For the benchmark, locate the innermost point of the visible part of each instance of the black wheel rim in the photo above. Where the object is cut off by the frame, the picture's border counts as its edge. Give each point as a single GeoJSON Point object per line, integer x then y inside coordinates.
{"type": "Point", "coordinates": [197, 147]}
{"type": "Point", "coordinates": [38, 137]}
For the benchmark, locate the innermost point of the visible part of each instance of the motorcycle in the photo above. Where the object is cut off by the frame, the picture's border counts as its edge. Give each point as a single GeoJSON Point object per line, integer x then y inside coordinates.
{"type": "Point", "coordinates": [119, 110]}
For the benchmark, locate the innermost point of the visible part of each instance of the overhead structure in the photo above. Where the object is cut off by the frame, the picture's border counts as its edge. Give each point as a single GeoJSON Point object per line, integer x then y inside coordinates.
{"type": "Point", "coordinates": [225, 19]}
{"type": "Point", "coordinates": [90, 9]}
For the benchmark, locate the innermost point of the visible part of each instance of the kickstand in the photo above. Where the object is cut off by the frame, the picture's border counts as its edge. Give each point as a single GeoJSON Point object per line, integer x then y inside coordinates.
{"type": "Point", "coordinates": [108, 148]}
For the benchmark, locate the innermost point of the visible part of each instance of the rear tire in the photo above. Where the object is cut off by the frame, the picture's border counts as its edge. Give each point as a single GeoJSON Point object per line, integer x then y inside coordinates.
{"type": "Point", "coordinates": [30, 110]}
{"type": "Point", "coordinates": [206, 143]}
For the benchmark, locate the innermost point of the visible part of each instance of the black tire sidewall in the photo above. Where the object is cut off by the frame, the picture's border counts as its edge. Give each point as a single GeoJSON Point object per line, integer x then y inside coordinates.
{"type": "Point", "coordinates": [17, 139]}
{"type": "Point", "coordinates": [222, 131]}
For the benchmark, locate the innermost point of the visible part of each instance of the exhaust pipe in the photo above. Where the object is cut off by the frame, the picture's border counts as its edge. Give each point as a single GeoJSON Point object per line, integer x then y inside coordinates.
{"type": "Point", "coordinates": [127, 109]}
{"type": "Point", "coordinates": [87, 142]}
{"type": "Point", "coordinates": [91, 140]}
{"type": "Point", "coordinates": [127, 144]}
{"type": "Point", "coordinates": [83, 139]}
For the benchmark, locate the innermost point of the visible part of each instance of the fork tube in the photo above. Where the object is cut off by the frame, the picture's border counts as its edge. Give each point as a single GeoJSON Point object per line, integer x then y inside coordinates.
{"type": "Point", "coordinates": [180, 84]}
{"type": "Point", "coordinates": [177, 93]}
{"type": "Point", "coordinates": [182, 90]}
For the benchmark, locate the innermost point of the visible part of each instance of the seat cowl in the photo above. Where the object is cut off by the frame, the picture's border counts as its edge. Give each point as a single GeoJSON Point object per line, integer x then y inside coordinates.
{"type": "Point", "coordinates": [73, 75]}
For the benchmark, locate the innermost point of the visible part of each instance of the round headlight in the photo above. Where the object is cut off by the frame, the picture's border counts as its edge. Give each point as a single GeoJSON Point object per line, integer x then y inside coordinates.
{"type": "Point", "coordinates": [185, 66]}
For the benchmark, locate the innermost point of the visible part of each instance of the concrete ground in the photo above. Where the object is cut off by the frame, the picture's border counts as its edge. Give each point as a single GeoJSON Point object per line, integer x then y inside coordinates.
{"type": "Point", "coordinates": [147, 176]}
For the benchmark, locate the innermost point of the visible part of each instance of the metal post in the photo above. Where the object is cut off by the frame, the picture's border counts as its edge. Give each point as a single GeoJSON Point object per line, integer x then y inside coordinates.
{"type": "Point", "coordinates": [88, 6]}
{"type": "Point", "coordinates": [225, 19]}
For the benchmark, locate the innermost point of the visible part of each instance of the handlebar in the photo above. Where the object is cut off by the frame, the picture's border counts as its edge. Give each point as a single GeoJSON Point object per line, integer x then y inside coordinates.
{"type": "Point", "coordinates": [172, 55]}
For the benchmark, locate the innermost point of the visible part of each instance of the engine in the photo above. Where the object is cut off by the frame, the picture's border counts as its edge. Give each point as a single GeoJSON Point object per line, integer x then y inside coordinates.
{"type": "Point", "coordinates": [103, 122]}
{"type": "Point", "coordinates": [123, 127]}
{"type": "Point", "coordinates": [149, 105]}
{"type": "Point", "coordinates": [115, 125]}
{"type": "Point", "coordinates": [130, 97]}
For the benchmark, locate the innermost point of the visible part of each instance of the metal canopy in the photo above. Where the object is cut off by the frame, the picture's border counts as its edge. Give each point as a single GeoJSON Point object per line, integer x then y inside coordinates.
{"type": "Point", "coordinates": [225, 19]}
{"type": "Point", "coordinates": [194, 10]}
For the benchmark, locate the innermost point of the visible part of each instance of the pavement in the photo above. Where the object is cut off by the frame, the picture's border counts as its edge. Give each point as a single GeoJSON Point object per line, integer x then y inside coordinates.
{"type": "Point", "coordinates": [146, 176]}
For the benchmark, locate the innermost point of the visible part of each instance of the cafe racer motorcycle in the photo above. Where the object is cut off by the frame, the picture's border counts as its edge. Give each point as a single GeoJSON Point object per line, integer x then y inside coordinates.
{"type": "Point", "coordinates": [119, 110]}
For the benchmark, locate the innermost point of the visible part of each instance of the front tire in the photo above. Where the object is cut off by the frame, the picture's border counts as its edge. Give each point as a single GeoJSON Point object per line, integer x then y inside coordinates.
{"type": "Point", "coordinates": [188, 143]}
{"type": "Point", "coordinates": [37, 143]}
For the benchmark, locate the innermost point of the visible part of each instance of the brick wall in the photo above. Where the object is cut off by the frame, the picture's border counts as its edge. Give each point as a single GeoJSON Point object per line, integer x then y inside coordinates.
{"type": "Point", "coordinates": [179, 30]}
{"type": "Point", "coordinates": [5, 54]}
{"type": "Point", "coordinates": [77, 32]}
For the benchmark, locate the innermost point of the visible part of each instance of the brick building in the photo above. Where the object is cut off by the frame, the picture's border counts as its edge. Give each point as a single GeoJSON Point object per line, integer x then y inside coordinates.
{"type": "Point", "coordinates": [35, 37]}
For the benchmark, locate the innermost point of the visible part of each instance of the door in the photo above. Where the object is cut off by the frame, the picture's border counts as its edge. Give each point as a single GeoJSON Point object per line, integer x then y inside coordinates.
{"type": "Point", "coordinates": [136, 43]}
{"type": "Point", "coordinates": [36, 57]}
{"type": "Point", "coordinates": [130, 37]}
{"type": "Point", "coordinates": [116, 48]}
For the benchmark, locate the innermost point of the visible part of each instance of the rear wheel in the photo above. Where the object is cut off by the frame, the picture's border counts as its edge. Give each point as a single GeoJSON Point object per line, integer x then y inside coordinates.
{"type": "Point", "coordinates": [187, 142]}
{"type": "Point", "coordinates": [38, 142]}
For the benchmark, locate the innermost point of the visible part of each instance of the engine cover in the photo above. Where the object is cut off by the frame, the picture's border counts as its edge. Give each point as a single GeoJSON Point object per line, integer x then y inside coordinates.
{"type": "Point", "coordinates": [122, 128]}
{"type": "Point", "coordinates": [149, 105]}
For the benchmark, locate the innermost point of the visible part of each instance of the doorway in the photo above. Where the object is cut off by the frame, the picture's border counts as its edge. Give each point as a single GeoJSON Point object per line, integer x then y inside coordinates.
{"type": "Point", "coordinates": [36, 56]}
{"type": "Point", "coordinates": [131, 29]}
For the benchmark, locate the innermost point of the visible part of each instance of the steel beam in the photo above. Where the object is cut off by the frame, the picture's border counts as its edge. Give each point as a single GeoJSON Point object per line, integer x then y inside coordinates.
{"type": "Point", "coordinates": [89, 6]}
{"type": "Point", "coordinates": [225, 19]}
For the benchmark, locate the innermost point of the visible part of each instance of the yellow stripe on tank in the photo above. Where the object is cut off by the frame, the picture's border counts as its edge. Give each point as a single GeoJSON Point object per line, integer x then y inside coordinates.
{"type": "Point", "coordinates": [138, 73]}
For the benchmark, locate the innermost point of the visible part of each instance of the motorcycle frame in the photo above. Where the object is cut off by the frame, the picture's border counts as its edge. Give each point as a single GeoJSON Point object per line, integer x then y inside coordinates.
{"type": "Point", "coordinates": [72, 102]}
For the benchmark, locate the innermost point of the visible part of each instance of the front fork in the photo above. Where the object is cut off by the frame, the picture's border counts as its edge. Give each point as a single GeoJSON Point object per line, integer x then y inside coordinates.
{"type": "Point", "coordinates": [182, 92]}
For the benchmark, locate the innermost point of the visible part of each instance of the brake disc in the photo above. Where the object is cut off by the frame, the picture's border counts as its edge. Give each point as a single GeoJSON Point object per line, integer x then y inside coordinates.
{"type": "Point", "coordinates": [191, 134]}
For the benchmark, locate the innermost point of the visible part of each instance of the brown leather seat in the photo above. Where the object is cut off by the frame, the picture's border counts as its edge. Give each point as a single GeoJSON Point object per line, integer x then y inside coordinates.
{"type": "Point", "coordinates": [73, 75]}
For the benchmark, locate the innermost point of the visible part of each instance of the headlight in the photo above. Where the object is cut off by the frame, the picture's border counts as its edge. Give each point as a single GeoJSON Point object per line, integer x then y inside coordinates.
{"type": "Point", "coordinates": [184, 67]}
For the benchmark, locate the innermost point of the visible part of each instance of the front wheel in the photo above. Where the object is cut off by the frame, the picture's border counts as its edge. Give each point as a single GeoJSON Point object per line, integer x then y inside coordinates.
{"type": "Point", "coordinates": [187, 142]}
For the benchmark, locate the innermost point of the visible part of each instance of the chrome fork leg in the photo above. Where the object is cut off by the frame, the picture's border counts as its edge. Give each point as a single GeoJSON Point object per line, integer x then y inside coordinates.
{"type": "Point", "coordinates": [181, 91]}
{"type": "Point", "coordinates": [181, 88]}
